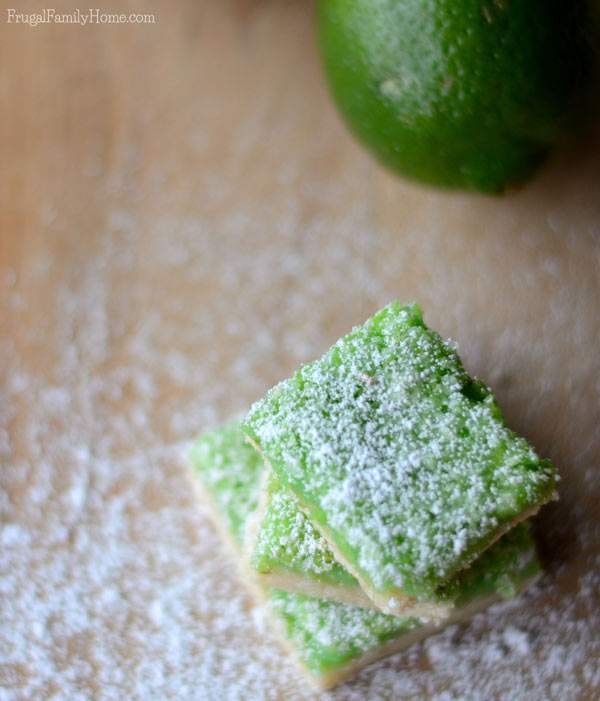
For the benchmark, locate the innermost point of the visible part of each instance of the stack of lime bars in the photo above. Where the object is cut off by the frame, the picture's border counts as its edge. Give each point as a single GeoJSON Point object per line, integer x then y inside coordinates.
{"type": "Point", "coordinates": [375, 496]}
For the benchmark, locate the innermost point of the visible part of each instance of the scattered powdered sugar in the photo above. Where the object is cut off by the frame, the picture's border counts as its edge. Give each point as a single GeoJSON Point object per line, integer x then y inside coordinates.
{"type": "Point", "coordinates": [128, 603]}
{"type": "Point", "coordinates": [516, 640]}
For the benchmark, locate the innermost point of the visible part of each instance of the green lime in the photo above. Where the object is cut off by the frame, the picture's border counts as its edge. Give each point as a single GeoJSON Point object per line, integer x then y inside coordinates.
{"type": "Point", "coordinates": [456, 93]}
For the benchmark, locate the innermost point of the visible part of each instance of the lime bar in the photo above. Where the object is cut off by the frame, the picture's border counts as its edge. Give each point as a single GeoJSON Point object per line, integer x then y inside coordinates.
{"type": "Point", "coordinates": [288, 553]}
{"type": "Point", "coordinates": [330, 640]}
{"type": "Point", "coordinates": [401, 460]}
{"type": "Point", "coordinates": [230, 470]}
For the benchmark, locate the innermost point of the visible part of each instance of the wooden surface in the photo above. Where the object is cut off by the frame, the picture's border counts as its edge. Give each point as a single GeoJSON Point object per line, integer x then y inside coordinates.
{"type": "Point", "coordinates": [183, 219]}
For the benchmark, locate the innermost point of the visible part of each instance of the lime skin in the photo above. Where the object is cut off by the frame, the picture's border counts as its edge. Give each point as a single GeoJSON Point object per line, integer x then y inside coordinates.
{"type": "Point", "coordinates": [468, 94]}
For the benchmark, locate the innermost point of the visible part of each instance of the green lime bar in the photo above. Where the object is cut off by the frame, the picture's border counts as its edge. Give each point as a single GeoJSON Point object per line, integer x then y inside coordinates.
{"type": "Point", "coordinates": [331, 641]}
{"type": "Point", "coordinates": [285, 551]}
{"type": "Point", "coordinates": [230, 470]}
{"type": "Point", "coordinates": [401, 460]}
{"type": "Point", "coordinates": [288, 553]}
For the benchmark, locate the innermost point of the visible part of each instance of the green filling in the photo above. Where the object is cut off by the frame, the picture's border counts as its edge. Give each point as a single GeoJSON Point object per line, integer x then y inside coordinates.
{"type": "Point", "coordinates": [327, 635]}
{"type": "Point", "coordinates": [401, 458]}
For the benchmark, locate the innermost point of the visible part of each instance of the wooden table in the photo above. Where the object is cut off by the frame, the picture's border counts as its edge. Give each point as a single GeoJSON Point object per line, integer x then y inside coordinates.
{"type": "Point", "coordinates": [184, 219]}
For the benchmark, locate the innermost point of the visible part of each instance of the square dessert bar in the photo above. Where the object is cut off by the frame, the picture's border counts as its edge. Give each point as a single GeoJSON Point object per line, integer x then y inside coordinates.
{"type": "Point", "coordinates": [286, 552]}
{"type": "Point", "coordinates": [401, 460]}
{"type": "Point", "coordinates": [231, 472]}
{"type": "Point", "coordinates": [330, 640]}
